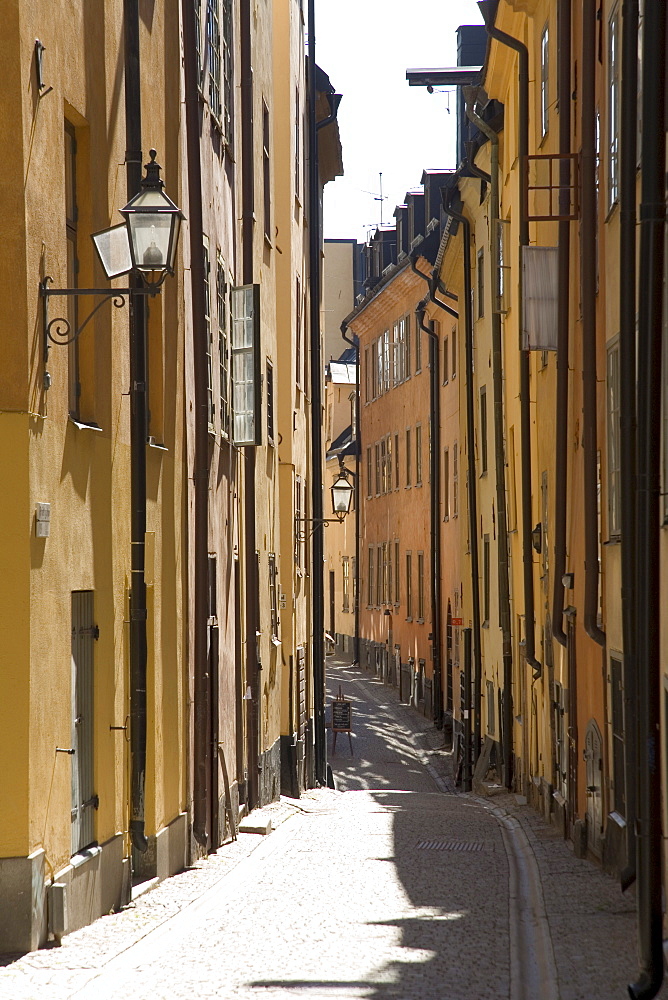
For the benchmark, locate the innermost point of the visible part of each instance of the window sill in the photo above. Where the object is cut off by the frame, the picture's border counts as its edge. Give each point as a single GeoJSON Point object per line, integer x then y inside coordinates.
{"type": "Point", "coordinates": [156, 445]}
{"type": "Point", "coordinates": [84, 855]}
{"type": "Point", "coordinates": [419, 621]}
{"type": "Point", "coordinates": [82, 425]}
{"type": "Point", "coordinates": [409, 619]}
{"type": "Point", "coordinates": [614, 540]}
{"type": "Point", "coordinates": [611, 209]}
{"type": "Point", "coordinates": [267, 242]}
{"type": "Point", "coordinates": [418, 484]}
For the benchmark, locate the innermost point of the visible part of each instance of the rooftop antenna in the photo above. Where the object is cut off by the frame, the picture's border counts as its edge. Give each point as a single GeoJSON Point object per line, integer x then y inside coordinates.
{"type": "Point", "coordinates": [378, 195]}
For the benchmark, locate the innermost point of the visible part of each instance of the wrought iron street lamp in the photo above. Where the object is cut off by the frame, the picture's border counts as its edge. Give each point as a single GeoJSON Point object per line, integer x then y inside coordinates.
{"type": "Point", "coordinates": [144, 245]}
{"type": "Point", "coordinates": [342, 495]}
{"type": "Point", "coordinates": [342, 498]}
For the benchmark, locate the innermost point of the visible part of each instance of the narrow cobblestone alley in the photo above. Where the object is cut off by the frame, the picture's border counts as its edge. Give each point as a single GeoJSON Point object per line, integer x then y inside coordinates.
{"type": "Point", "coordinates": [391, 887]}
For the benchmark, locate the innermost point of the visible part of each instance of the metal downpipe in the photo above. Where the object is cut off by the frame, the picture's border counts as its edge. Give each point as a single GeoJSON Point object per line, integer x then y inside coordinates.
{"type": "Point", "coordinates": [358, 505]}
{"type": "Point", "coordinates": [317, 549]}
{"type": "Point", "coordinates": [250, 568]}
{"type": "Point", "coordinates": [201, 736]}
{"type": "Point", "coordinates": [563, 329]}
{"type": "Point", "coordinates": [648, 581]}
{"type": "Point", "coordinates": [467, 770]}
{"type": "Point", "coordinates": [499, 449]}
{"type": "Point", "coordinates": [588, 255]}
{"type": "Point", "coordinates": [472, 478]}
{"type": "Point", "coordinates": [435, 508]}
{"type": "Point", "coordinates": [488, 11]}
{"type": "Point", "coordinates": [138, 435]}
{"type": "Point", "coordinates": [628, 159]}
{"type": "Point", "coordinates": [435, 411]}
{"type": "Point", "coordinates": [432, 283]}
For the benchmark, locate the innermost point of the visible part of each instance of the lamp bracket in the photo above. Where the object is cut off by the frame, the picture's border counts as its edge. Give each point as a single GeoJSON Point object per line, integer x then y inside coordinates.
{"type": "Point", "coordinates": [59, 329]}
{"type": "Point", "coordinates": [316, 522]}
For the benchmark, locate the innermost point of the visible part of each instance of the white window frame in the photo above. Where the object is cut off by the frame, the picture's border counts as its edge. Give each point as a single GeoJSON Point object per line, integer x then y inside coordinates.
{"type": "Point", "coordinates": [613, 414]}
{"type": "Point", "coordinates": [247, 409]}
{"type": "Point", "coordinates": [614, 57]}
{"type": "Point", "coordinates": [545, 81]}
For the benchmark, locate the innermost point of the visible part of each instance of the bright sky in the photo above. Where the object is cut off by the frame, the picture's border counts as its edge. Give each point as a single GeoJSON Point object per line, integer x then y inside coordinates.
{"type": "Point", "coordinates": [365, 47]}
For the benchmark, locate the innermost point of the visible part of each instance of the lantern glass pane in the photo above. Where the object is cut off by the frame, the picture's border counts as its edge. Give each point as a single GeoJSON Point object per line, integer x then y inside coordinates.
{"type": "Point", "coordinates": [113, 248]}
{"type": "Point", "coordinates": [150, 198]}
{"type": "Point", "coordinates": [342, 493]}
{"type": "Point", "coordinates": [150, 233]}
{"type": "Point", "coordinates": [176, 226]}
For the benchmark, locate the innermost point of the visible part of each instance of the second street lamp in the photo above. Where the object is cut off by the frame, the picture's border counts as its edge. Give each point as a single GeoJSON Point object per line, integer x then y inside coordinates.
{"type": "Point", "coordinates": [342, 495]}
{"type": "Point", "coordinates": [342, 499]}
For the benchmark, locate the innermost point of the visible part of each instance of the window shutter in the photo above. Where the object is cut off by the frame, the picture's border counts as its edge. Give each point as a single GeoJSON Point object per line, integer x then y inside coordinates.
{"type": "Point", "coordinates": [246, 365]}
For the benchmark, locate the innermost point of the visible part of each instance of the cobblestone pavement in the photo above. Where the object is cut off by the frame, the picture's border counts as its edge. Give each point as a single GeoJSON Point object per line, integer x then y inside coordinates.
{"type": "Point", "coordinates": [384, 889]}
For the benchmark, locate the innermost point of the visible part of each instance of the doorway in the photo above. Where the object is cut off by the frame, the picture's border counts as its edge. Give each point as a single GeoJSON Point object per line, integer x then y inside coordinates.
{"type": "Point", "coordinates": [572, 724]}
{"type": "Point", "coordinates": [332, 606]}
{"type": "Point", "coordinates": [84, 800]}
{"type": "Point", "coordinates": [594, 773]}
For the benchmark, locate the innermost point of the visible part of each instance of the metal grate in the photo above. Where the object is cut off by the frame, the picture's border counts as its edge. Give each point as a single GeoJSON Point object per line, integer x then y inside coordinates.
{"type": "Point", "coordinates": [450, 845]}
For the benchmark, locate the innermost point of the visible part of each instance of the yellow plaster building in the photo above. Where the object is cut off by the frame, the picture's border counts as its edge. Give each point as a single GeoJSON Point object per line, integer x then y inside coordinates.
{"type": "Point", "coordinates": [65, 434]}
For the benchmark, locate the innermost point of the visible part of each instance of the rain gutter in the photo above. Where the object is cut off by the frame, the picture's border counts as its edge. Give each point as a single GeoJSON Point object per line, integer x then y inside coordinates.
{"type": "Point", "coordinates": [588, 281]}
{"type": "Point", "coordinates": [472, 478]}
{"type": "Point", "coordinates": [628, 160]}
{"type": "Point", "coordinates": [499, 447]}
{"type": "Point", "coordinates": [354, 342]}
{"type": "Point", "coordinates": [563, 326]}
{"type": "Point", "coordinates": [488, 9]}
{"type": "Point", "coordinates": [138, 436]}
{"type": "Point", "coordinates": [648, 521]}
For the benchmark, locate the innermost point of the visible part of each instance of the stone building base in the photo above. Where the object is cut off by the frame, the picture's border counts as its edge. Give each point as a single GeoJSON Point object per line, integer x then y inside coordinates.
{"type": "Point", "coordinates": [95, 882]}
{"type": "Point", "coordinates": [297, 762]}
{"type": "Point", "coordinates": [269, 785]}
{"type": "Point", "coordinates": [167, 852]}
{"type": "Point", "coordinates": [22, 903]}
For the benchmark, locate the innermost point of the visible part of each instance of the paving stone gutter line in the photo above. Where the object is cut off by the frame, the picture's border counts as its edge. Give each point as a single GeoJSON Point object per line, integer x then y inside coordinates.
{"type": "Point", "coordinates": [533, 969]}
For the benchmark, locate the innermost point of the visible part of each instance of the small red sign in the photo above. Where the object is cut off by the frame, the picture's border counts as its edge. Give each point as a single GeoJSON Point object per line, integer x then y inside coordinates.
{"type": "Point", "coordinates": [457, 621]}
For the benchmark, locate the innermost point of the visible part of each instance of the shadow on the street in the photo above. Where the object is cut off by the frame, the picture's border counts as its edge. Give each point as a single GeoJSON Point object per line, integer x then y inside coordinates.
{"type": "Point", "coordinates": [437, 860]}
{"type": "Point", "coordinates": [380, 757]}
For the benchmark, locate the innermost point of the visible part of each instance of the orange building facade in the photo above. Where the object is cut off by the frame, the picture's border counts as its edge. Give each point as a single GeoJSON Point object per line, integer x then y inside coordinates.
{"type": "Point", "coordinates": [395, 489]}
